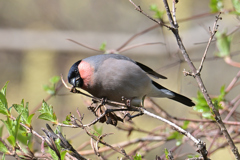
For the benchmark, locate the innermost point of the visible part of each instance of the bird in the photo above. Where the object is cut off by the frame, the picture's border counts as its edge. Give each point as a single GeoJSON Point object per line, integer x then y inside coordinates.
{"type": "Point", "coordinates": [114, 76]}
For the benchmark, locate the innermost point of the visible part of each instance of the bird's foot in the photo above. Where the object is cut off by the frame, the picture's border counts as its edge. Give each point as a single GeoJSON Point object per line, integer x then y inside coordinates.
{"type": "Point", "coordinates": [103, 101]}
{"type": "Point", "coordinates": [127, 101]}
{"type": "Point", "coordinates": [129, 116]}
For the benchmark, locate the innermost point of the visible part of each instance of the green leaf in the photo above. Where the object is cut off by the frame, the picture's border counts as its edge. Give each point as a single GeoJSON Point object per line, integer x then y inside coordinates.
{"type": "Point", "coordinates": [23, 110]}
{"type": "Point", "coordinates": [3, 104]}
{"type": "Point", "coordinates": [201, 108]}
{"type": "Point", "coordinates": [185, 125]}
{"type": "Point", "coordinates": [208, 115]}
{"type": "Point", "coordinates": [16, 126]}
{"type": "Point", "coordinates": [53, 154]}
{"type": "Point", "coordinates": [223, 44]}
{"type": "Point", "coordinates": [137, 157]}
{"type": "Point", "coordinates": [3, 148]}
{"type": "Point", "coordinates": [222, 90]}
{"type": "Point", "coordinates": [55, 79]}
{"type": "Point", "coordinates": [3, 157]}
{"type": "Point", "coordinates": [179, 142]}
{"type": "Point", "coordinates": [216, 5]}
{"type": "Point", "coordinates": [12, 140]}
{"type": "Point", "coordinates": [50, 89]}
{"type": "Point", "coordinates": [4, 89]}
{"type": "Point", "coordinates": [98, 129]}
{"type": "Point", "coordinates": [9, 125]}
{"type": "Point", "coordinates": [236, 5]}
{"type": "Point", "coordinates": [192, 156]}
{"type": "Point", "coordinates": [103, 46]}
{"type": "Point", "coordinates": [46, 116]}
{"type": "Point", "coordinates": [47, 113]}
{"type": "Point", "coordinates": [158, 14]}
{"type": "Point", "coordinates": [12, 128]}
{"type": "Point", "coordinates": [57, 142]}
{"type": "Point", "coordinates": [63, 153]}
{"type": "Point", "coordinates": [1, 130]}
{"type": "Point", "coordinates": [173, 135]}
{"type": "Point", "coordinates": [67, 120]}
{"type": "Point", "coordinates": [29, 119]}
{"type": "Point", "coordinates": [166, 153]}
{"type": "Point", "coordinates": [24, 137]}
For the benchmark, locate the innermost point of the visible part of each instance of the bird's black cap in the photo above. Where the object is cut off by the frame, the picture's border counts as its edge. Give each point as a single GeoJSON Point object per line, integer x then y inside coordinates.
{"type": "Point", "coordinates": [74, 77]}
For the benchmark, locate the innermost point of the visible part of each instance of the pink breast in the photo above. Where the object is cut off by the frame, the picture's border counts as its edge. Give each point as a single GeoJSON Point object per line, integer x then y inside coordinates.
{"type": "Point", "coordinates": [86, 72]}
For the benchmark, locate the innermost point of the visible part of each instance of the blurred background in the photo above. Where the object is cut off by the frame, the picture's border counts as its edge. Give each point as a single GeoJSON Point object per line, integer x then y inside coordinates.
{"type": "Point", "coordinates": [34, 48]}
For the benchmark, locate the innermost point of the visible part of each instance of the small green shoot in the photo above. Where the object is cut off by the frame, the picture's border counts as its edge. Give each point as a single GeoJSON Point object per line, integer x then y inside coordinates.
{"type": "Point", "coordinates": [223, 44]}
{"type": "Point", "coordinates": [51, 89]}
{"type": "Point", "coordinates": [98, 130]}
{"type": "Point", "coordinates": [216, 5]}
{"type": "Point", "coordinates": [178, 136]}
{"type": "Point", "coordinates": [47, 113]}
{"type": "Point", "coordinates": [23, 110]}
{"type": "Point", "coordinates": [202, 106]}
{"type": "Point", "coordinates": [236, 6]}
{"type": "Point", "coordinates": [166, 152]}
{"type": "Point", "coordinates": [3, 101]}
{"type": "Point", "coordinates": [138, 156]}
{"type": "Point", "coordinates": [158, 14]}
{"type": "Point", "coordinates": [103, 46]}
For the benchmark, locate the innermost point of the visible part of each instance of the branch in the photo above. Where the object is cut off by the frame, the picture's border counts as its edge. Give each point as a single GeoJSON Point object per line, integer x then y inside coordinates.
{"type": "Point", "coordinates": [85, 46]}
{"type": "Point", "coordinates": [135, 36]}
{"type": "Point", "coordinates": [201, 85]}
{"type": "Point", "coordinates": [138, 45]}
{"type": "Point", "coordinates": [233, 82]}
{"type": "Point", "coordinates": [138, 8]}
{"type": "Point", "coordinates": [212, 32]}
{"type": "Point", "coordinates": [174, 29]}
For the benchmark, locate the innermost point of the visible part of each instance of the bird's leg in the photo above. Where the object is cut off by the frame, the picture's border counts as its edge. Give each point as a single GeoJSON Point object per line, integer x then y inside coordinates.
{"type": "Point", "coordinates": [143, 100]}
{"type": "Point", "coordinates": [103, 101]}
{"type": "Point", "coordinates": [127, 101]}
{"type": "Point", "coordinates": [133, 116]}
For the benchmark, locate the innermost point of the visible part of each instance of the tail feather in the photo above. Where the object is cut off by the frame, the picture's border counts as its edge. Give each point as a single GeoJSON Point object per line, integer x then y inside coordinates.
{"type": "Point", "coordinates": [182, 99]}
{"type": "Point", "coordinates": [176, 97]}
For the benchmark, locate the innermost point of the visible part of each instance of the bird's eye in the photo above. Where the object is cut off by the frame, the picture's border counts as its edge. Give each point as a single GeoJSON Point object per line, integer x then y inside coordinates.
{"type": "Point", "coordinates": [76, 71]}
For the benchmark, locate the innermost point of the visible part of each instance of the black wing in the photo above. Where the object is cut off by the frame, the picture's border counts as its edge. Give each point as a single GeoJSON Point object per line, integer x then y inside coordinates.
{"type": "Point", "coordinates": [150, 71]}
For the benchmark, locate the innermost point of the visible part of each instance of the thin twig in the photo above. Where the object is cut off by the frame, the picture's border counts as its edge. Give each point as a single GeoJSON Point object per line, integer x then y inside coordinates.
{"type": "Point", "coordinates": [233, 82]}
{"type": "Point", "coordinates": [141, 11]}
{"type": "Point", "coordinates": [138, 45]}
{"type": "Point", "coordinates": [174, 12]}
{"type": "Point", "coordinates": [83, 45]}
{"type": "Point", "coordinates": [212, 32]}
{"type": "Point", "coordinates": [135, 36]}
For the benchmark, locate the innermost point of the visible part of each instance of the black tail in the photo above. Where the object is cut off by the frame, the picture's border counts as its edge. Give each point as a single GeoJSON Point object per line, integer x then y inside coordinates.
{"type": "Point", "coordinates": [177, 97]}
{"type": "Point", "coordinates": [182, 99]}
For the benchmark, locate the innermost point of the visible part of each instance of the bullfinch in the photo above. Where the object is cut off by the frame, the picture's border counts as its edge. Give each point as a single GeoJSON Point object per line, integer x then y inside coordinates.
{"type": "Point", "coordinates": [113, 76]}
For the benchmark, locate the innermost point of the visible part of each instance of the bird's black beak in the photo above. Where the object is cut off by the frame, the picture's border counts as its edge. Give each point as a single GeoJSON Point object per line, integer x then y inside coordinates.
{"type": "Point", "coordinates": [73, 82]}
{"type": "Point", "coordinates": [76, 82]}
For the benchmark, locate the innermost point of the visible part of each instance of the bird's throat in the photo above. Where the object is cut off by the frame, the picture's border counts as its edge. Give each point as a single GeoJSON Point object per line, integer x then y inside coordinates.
{"type": "Point", "coordinates": [86, 73]}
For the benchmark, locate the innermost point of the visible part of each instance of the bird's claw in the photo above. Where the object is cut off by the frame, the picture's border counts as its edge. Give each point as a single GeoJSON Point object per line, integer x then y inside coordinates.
{"type": "Point", "coordinates": [127, 101]}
